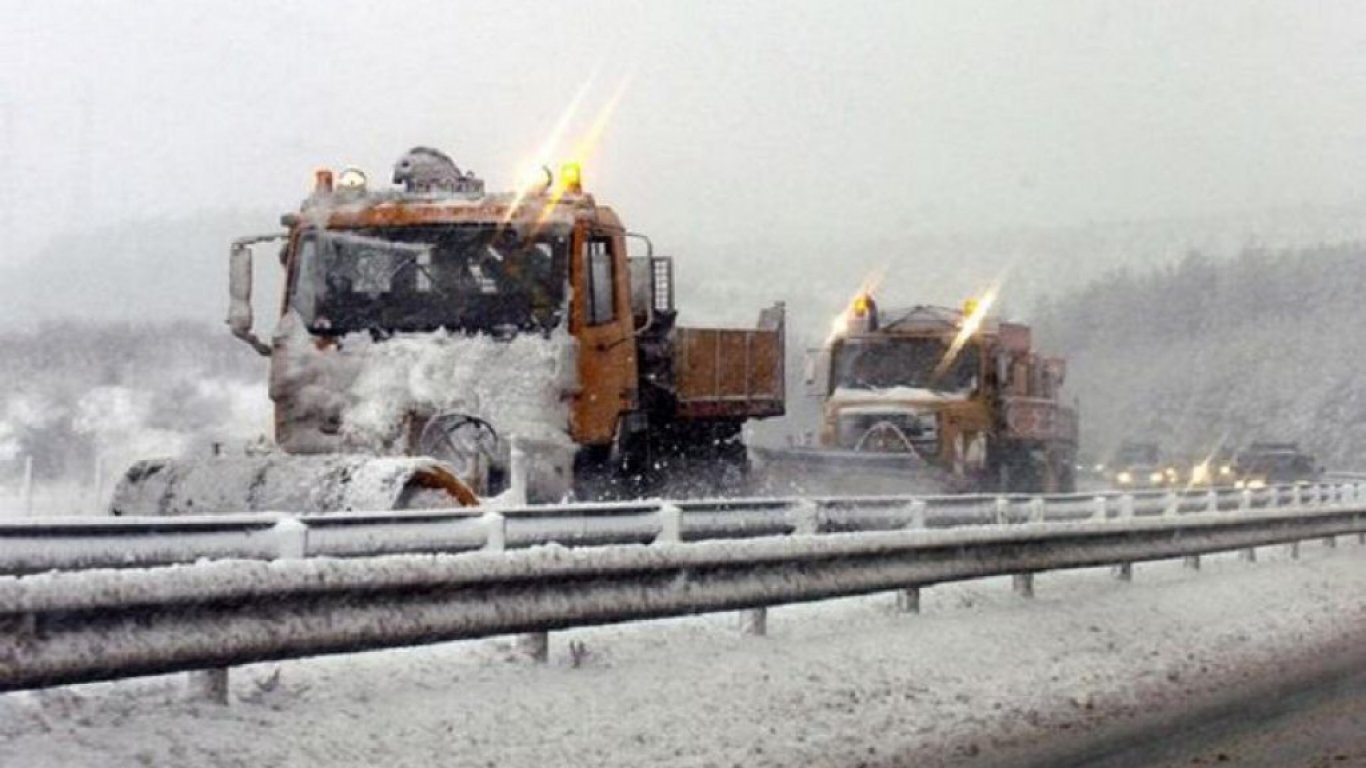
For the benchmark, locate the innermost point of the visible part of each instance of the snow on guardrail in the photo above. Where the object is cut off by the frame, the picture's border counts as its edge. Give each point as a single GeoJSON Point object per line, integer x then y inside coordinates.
{"type": "Point", "coordinates": [31, 546]}
{"type": "Point", "coordinates": [77, 626]}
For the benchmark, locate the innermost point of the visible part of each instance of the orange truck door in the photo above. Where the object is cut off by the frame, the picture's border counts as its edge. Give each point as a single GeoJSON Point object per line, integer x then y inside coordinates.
{"type": "Point", "coordinates": [601, 321]}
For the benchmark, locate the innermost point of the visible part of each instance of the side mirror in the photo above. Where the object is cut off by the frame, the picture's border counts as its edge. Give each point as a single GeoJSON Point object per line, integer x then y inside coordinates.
{"type": "Point", "coordinates": [239, 292]}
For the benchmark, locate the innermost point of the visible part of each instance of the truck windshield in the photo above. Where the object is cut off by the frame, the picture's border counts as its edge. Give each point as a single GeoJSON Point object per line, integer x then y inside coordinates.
{"type": "Point", "coordinates": [422, 278]}
{"type": "Point", "coordinates": [911, 362]}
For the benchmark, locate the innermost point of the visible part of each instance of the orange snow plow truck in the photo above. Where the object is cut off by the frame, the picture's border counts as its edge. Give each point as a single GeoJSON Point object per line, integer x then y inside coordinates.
{"type": "Point", "coordinates": [932, 400]}
{"type": "Point", "coordinates": [438, 345]}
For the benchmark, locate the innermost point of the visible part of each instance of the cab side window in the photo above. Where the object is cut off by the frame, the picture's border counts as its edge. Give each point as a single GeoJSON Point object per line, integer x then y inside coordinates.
{"type": "Point", "coordinates": [601, 282]}
{"type": "Point", "coordinates": [305, 297]}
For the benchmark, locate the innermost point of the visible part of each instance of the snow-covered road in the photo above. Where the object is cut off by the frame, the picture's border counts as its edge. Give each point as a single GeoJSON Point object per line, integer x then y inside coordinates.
{"type": "Point", "coordinates": [980, 673]}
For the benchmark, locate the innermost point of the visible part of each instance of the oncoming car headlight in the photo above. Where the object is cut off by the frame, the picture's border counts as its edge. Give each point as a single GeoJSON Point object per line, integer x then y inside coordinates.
{"type": "Point", "coordinates": [1199, 474]}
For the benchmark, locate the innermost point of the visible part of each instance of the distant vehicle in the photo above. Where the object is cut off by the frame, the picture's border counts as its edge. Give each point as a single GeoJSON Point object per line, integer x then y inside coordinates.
{"type": "Point", "coordinates": [934, 400]}
{"type": "Point", "coordinates": [1216, 469]}
{"type": "Point", "coordinates": [1138, 464]}
{"type": "Point", "coordinates": [1262, 464]}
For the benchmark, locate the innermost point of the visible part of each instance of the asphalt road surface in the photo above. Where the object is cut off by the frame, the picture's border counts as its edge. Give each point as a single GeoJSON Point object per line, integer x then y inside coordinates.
{"type": "Point", "coordinates": [1320, 725]}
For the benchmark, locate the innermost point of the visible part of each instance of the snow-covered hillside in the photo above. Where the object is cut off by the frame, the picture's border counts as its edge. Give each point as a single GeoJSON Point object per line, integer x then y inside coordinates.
{"type": "Point", "coordinates": [1264, 346]}
{"type": "Point", "coordinates": [83, 400]}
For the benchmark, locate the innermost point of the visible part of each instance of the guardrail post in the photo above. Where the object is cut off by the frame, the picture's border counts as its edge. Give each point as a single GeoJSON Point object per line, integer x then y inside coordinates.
{"type": "Point", "coordinates": [1330, 542]}
{"type": "Point", "coordinates": [210, 685]}
{"type": "Point", "coordinates": [1171, 506]}
{"type": "Point", "coordinates": [670, 524]}
{"type": "Point", "coordinates": [917, 514]}
{"type": "Point", "coordinates": [534, 645]}
{"type": "Point", "coordinates": [908, 600]}
{"type": "Point", "coordinates": [26, 489]}
{"type": "Point", "coordinates": [806, 518]}
{"type": "Point", "coordinates": [1124, 571]}
{"type": "Point", "coordinates": [1001, 509]}
{"type": "Point", "coordinates": [1038, 509]}
{"type": "Point", "coordinates": [1023, 584]}
{"type": "Point", "coordinates": [495, 532]}
{"type": "Point", "coordinates": [97, 481]}
{"type": "Point", "coordinates": [1126, 507]}
{"type": "Point", "coordinates": [1098, 511]}
{"type": "Point", "coordinates": [1294, 550]}
{"type": "Point", "coordinates": [754, 621]}
{"type": "Point", "coordinates": [1273, 497]}
{"type": "Point", "coordinates": [1191, 562]}
{"type": "Point", "coordinates": [1245, 500]}
{"type": "Point", "coordinates": [291, 538]}
{"type": "Point", "coordinates": [1248, 555]}
{"type": "Point", "coordinates": [1295, 500]}
{"type": "Point", "coordinates": [1211, 501]}
{"type": "Point", "coordinates": [518, 473]}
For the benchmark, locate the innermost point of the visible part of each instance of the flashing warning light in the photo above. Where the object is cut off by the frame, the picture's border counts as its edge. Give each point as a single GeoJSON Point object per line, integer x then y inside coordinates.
{"type": "Point", "coordinates": [322, 181]}
{"type": "Point", "coordinates": [862, 316]}
{"type": "Point", "coordinates": [969, 307]}
{"type": "Point", "coordinates": [571, 177]}
{"type": "Point", "coordinates": [351, 178]}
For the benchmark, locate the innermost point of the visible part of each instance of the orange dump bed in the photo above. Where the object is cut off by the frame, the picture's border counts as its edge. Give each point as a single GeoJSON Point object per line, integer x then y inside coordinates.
{"type": "Point", "coordinates": [730, 373]}
{"type": "Point", "coordinates": [1036, 418]}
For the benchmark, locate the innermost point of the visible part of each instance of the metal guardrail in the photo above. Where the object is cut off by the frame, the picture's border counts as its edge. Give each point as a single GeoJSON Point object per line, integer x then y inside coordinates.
{"type": "Point", "coordinates": [78, 626]}
{"type": "Point", "coordinates": [34, 546]}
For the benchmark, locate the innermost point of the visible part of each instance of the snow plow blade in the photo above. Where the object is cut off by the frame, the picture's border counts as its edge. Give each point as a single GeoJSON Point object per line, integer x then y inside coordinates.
{"type": "Point", "coordinates": [830, 472]}
{"type": "Point", "coordinates": [286, 483]}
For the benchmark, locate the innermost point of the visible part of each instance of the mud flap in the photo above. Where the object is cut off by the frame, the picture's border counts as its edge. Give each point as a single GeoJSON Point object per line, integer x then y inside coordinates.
{"type": "Point", "coordinates": [286, 483]}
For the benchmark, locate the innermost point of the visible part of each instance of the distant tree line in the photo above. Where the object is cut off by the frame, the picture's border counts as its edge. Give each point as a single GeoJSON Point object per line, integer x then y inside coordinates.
{"type": "Point", "coordinates": [71, 388]}
{"type": "Point", "coordinates": [1267, 345]}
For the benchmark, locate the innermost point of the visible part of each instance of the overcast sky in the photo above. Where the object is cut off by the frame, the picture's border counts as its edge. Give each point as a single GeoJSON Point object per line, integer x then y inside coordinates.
{"type": "Point", "coordinates": [738, 120]}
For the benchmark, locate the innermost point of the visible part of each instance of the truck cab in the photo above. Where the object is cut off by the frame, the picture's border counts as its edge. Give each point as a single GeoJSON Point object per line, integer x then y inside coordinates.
{"type": "Point", "coordinates": [958, 390]}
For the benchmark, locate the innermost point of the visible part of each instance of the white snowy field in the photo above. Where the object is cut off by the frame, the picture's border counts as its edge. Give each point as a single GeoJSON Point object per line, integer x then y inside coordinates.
{"type": "Point", "coordinates": [838, 683]}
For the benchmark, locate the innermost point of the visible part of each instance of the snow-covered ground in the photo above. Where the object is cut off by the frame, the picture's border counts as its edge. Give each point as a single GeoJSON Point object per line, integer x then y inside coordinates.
{"type": "Point", "coordinates": [838, 683]}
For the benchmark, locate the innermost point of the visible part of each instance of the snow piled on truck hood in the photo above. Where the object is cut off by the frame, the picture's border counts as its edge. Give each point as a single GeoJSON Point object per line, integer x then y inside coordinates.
{"type": "Point", "coordinates": [894, 396]}
{"type": "Point", "coordinates": [518, 385]}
